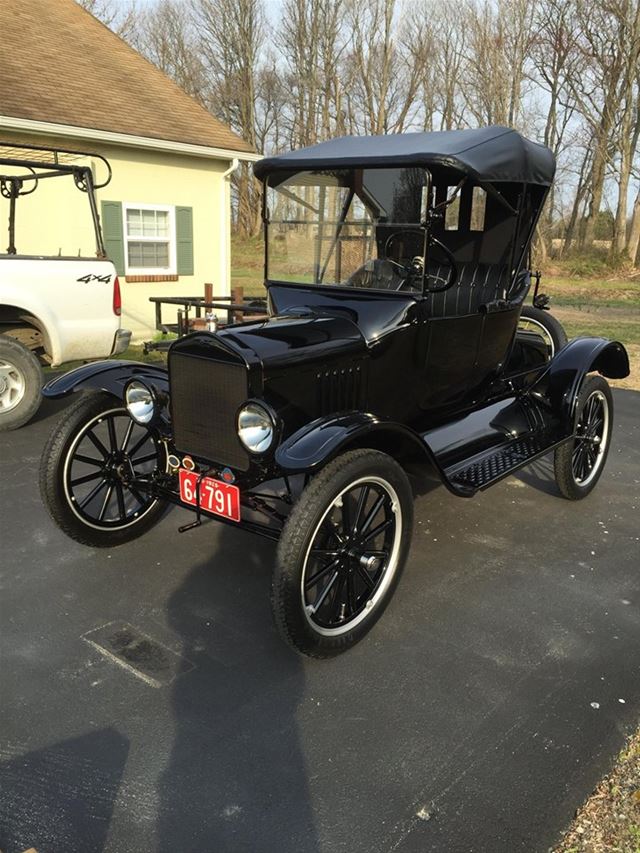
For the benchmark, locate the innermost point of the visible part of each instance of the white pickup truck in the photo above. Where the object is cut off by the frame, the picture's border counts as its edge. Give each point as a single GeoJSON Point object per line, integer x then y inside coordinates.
{"type": "Point", "coordinates": [52, 309]}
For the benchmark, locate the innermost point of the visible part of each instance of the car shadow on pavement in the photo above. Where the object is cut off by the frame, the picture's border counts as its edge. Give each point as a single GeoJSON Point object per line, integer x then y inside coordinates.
{"type": "Point", "coordinates": [539, 474]}
{"type": "Point", "coordinates": [236, 779]}
{"type": "Point", "coordinates": [52, 409]}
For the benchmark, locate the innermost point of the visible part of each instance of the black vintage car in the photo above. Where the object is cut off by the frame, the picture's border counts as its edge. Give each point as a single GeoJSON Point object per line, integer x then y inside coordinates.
{"type": "Point", "coordinates": [396, 269]}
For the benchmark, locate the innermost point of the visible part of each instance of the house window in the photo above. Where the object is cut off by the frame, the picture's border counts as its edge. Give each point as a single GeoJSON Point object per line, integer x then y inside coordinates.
{"type": "Point", "coordinates": [150, 238]}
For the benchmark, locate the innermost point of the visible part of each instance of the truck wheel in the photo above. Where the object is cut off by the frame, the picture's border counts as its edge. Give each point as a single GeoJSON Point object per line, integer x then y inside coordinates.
{"type": "Point", "coordinates": [341, 553]}
{"type": "Point", "coordinates": [20, 384]}
{"type": "Point", "coordinates": [579, 463]}
{"type": "Point", "coordinates": [545, 324]}
{"type": "Point", "coordinates": [87, 466]}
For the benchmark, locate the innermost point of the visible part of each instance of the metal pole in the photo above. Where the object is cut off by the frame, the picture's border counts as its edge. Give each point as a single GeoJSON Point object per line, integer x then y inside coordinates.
{"type": "Point", "coordinates": [15, 192]}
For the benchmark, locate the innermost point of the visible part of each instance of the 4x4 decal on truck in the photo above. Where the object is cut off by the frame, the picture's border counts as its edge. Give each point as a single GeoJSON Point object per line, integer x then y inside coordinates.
{"type": "Point", "coordinates": [91, 277]}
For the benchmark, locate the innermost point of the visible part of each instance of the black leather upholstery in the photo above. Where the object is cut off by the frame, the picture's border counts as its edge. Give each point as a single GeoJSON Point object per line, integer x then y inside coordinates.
{"type": "Point", "coordinates": [477, 284]}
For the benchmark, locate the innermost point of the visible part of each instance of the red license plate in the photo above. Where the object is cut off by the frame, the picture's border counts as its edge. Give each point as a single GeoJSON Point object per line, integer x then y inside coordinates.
{"type": "Point", "coordinates": [215, 497]}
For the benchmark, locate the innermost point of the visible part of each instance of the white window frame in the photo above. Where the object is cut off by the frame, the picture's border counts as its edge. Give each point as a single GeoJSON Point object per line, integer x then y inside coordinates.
{"type": "Point", "coordinates": [172, 268]}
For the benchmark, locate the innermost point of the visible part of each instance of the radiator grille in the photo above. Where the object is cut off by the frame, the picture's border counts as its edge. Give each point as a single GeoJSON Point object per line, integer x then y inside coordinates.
{"type": "Point", "coordinates": [205, 398]}
{"type": "Point", "coordinates": [339, 390]}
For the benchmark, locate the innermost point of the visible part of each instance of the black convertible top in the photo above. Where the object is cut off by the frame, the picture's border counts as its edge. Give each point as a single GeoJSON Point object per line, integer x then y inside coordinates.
{"type": "Point", "coordinates": [488, 154]}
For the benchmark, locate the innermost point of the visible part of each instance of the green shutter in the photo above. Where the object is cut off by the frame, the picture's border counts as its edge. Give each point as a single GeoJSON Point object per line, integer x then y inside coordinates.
{"type": "Point", "coordinates": [112, 233]}
{"type": "Point", "coordinates": [184, 240]}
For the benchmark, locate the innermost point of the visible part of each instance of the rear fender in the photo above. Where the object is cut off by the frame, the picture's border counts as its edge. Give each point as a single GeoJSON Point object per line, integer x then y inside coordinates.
{"type": "Point", "coordinates": [109, 376]}
{"type": "Point", "coordinates": [315, 444]}
{"type": "Point", "coordinates": [560, 384]}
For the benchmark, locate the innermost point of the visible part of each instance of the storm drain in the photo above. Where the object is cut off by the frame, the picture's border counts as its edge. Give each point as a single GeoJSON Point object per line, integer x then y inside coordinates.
{"type": "Point", "coordinates": [139, 654]}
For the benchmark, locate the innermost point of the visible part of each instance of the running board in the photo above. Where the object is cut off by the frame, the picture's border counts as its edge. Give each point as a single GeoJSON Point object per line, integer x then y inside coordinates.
{"type": "Point", "coordinates": [485, 469]}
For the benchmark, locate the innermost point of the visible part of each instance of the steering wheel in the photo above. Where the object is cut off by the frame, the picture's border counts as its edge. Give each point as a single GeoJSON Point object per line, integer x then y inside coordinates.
{"type": "Point", "coordinates": [449, 261]}
{"type": "Point", "coordinates": [416, 266]}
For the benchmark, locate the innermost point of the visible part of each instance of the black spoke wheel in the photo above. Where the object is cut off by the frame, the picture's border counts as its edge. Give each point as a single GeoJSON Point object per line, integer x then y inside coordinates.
{"type": "Point", "coordinates": [352, 551]}
{"type": "Point", "coordinates": [551, 331]}
{"type": "Point", "coordinates": [90, 469]}
{"type": "Point", "coordinates": [341, 553]}
{"type": "Point", "coordinates": [579, 463]}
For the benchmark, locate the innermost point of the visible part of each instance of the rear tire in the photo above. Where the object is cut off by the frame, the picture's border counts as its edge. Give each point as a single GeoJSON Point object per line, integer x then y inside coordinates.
{"type": "Point", "coordinates": [579, 463]}
{"type": "Point", "coordinates": [546, 325]}
{"type": "Point", "coordinates": [341, 553]}
{"type": "Point", "coordinates": [20, 384]}
{"type": "Point", "coordinates": [90, 455]}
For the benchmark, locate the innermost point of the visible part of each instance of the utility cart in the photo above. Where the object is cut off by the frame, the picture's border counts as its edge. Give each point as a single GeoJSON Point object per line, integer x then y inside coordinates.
{"type": "Point", "coordinates": [195, 313]}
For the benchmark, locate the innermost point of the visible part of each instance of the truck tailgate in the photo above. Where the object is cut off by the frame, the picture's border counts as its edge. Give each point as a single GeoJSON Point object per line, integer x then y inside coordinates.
{"type": "Point", "coordinates": [72, 298]}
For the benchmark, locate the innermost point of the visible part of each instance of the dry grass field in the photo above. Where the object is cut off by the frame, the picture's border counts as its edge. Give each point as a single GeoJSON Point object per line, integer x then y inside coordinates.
{"type": "Point", "coordinates": [607, 307]}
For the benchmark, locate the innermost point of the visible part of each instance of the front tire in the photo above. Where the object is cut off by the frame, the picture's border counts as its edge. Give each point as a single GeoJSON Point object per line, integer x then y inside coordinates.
{"type": "Point", "coordinates": [20, 384]}
{"type": "Point", "coordinates": [578, 464]}
{"type": "Point", "coordinates": [88, 464]}
{"type": "Point", "coordinates": [341, 553]}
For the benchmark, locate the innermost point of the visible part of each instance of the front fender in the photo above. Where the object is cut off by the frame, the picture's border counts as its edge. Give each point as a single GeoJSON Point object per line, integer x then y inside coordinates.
{"type": "Point", "coordinates": [315, 444]}
{"type": "Point", "coordinates": [559, 385]}
{"type": "Point", "coordinates": [109, 376]}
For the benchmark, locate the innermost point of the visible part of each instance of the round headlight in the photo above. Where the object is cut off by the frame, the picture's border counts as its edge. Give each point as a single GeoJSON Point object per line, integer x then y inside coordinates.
{"type": "Point", "coordinates": [140, 401]}
{"type": "Point", "coordinates": [255, 428]}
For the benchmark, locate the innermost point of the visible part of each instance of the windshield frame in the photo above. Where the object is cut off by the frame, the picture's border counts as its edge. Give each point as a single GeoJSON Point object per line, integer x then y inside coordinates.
{"type": "Point", "coordinates": [369, 203]}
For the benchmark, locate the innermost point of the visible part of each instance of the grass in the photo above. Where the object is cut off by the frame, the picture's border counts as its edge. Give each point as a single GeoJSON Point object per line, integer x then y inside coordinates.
{"type": "Point", "coordinates": [247, 265]}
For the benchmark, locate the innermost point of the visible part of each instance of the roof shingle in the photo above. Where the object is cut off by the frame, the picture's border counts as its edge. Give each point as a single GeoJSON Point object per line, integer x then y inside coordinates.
{"type": "Point", "coordinates": [59, 64]}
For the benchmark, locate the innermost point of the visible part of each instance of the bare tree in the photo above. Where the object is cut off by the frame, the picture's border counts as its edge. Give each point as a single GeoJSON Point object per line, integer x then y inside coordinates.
{"type": "Point", "coordinates": [628, 123]}
{"type": "Point", "coordinates": [500, 37]}
{"type": "Point", "coordinates": [602, 45]}
{"type": "Point", "coordinates": [555, 60]}
{"type": "Point", "coordinates": [121, 17]}
{"type": "Point", "coordinates": [633, 246]}
{"type": "Point", "coordinates": [564, 71]}
{"type": "Point", "coordinates": [231, 35]}
{"type": "Point", "coordinates": [383, 78]}
{"type": "Point", "coordinates": [166, 36]}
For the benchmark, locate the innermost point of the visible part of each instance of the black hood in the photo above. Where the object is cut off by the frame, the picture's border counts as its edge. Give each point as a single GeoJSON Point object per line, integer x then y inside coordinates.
{"type": "Point", "coordinates": [288, 340]}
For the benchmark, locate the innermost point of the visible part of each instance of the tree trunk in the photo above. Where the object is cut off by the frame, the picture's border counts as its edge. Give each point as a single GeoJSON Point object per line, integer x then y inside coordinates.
{"type": "Point", "coordinates": [580, 192]}
{"type": "Point", "coordinates": [597, 187]}
{"type": "Point", "coordinates": [540, 245]}
{"type": "Point", "coordinates": [633, 246]}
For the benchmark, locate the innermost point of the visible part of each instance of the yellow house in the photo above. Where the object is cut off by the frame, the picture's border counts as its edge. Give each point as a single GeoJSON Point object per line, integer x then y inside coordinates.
{"type": "Point", "coordinates": [67, 81]}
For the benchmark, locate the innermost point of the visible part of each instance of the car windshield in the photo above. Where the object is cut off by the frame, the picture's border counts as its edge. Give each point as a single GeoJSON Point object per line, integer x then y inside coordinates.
{"type": "Point", "coordinates": [355, 227]}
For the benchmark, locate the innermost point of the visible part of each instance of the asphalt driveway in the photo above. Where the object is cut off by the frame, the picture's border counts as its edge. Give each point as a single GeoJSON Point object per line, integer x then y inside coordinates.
{"type": "Point", "coordinates": [477, 716]}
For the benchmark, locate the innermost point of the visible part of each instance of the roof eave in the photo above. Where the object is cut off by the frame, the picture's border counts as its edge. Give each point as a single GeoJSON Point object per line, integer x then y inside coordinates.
{"type": "Point", "coordinates": [125, 139]}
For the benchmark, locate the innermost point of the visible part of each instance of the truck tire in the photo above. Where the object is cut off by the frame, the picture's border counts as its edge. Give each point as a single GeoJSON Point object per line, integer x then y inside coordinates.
{"type": "Point", "coordinates": [20, 384]}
